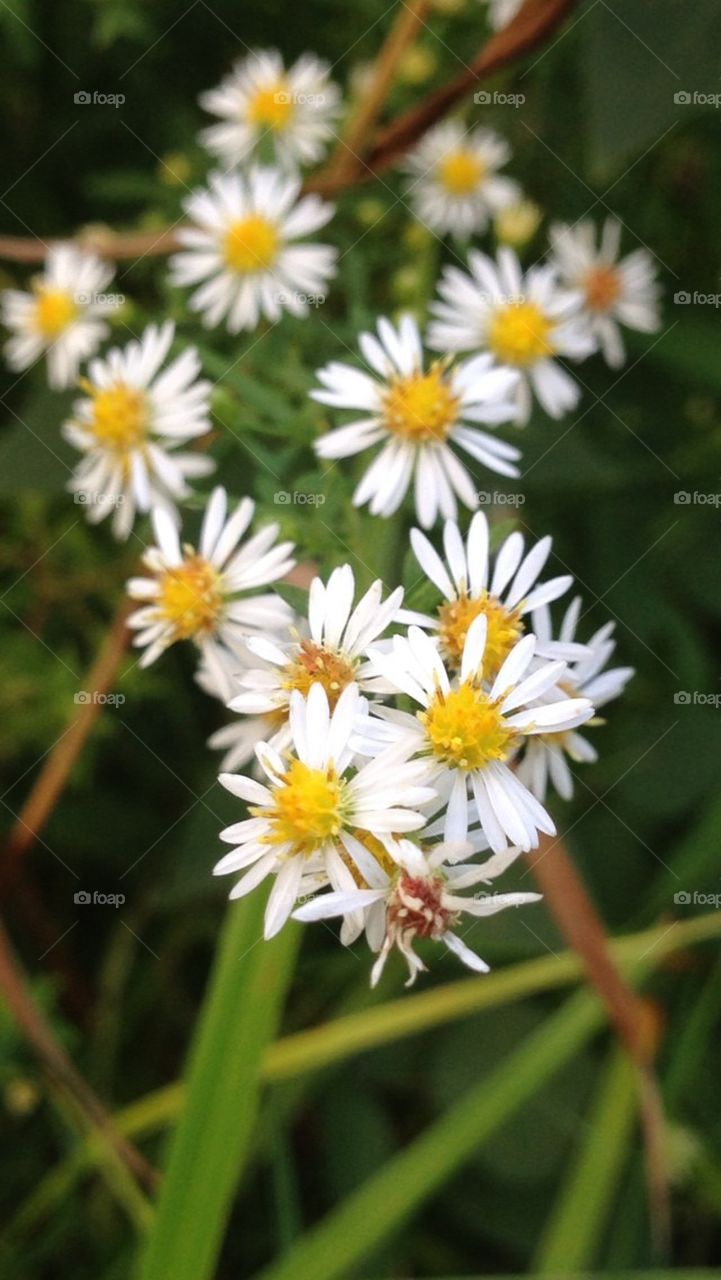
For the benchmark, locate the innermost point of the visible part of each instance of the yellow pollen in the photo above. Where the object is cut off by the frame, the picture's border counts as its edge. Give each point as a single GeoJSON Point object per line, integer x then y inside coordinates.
{"type": "Point", "coordinates": [519, 334]}
{"type": "Point", "coordinates": [251, 245]}
{"type": "Point", "coordinates": [460, 172]}
{"type": "Point", "coordinates": [190, 597]}
{"type": "Point", "coordinates": [465, 729]}
{"type": "Point", "coordinates": [504, 629]}
{"type": "Point", "coordinates": [421, 407]}
{"type": "Point", "coordinates": [602, 287]}
{"type": "Point", "coordinates": [55, 310]}
{"type": "Point", "coordinates": [307, 808]}
{"type": "Point", "coordinates": [271, 107]}
{"type": "Point", "coordinates": [119, 416]}
{"type": "Point", "coordinates": [315, 664]}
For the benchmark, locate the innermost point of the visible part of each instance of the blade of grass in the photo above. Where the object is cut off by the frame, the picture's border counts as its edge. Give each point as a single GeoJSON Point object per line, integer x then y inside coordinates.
{"type": "Point", "coordinates": [239, 1017]}
{"type": "Point", "coordinates": [572, 1234]}
{"type": "Point", "coordinates": [339, 1040]}
{"type": "Point", "coordinates": [371, 1214]}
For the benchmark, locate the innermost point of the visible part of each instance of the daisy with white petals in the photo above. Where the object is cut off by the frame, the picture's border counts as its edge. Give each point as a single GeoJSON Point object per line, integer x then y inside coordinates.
{"type": "Point", "coordinates": [62, 315]}
{"type": "Point", "coordinates": [469, 729]}
{"type": "Point", "coordinates": [261, 101]}
{"type": "Point", "coordinates": [504, 588]}
{"type": "Point", "coordinates": [208, 596]}
{"type": "Point", "coordinates": [456, 182]}
{"type": "Point", "coordinates": [546, 755]}
{"type": "Point", "coordinates": [417, 414]}
{"type": "Point", "coordinates": [244, 249]}
{"type": "Point", "coordinates": [615, 291]}
{"type": "Point", "coordinates": [329, 650]}
{"type": "Point", "coordinates": [314, 811]}
{"type": "Point", "coordinates": [130, 424]}
{"type": "Point", "coordinates": [419, 897]}
{"type": "Point", "coordinates": [525, 320]}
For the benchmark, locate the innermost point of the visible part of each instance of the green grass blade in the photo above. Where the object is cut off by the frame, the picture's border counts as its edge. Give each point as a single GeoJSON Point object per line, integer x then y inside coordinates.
{"type": "Point", "coordinates": [371, 1214]}
{"type": "Point", "coordinates": [238, 1019]}
{"type": "Point", "coordinates": [575, 1227]}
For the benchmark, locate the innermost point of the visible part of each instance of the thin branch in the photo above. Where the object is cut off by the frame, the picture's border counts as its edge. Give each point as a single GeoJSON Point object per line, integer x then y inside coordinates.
{"type": "Point", "coordinates": [343, 164]}
{"type": "Point", "coordinates": [16, 992]}
{"type": "Point", "coordinates": [636, 1026]}
{"type": "Point", "coordinates": [533, 24]}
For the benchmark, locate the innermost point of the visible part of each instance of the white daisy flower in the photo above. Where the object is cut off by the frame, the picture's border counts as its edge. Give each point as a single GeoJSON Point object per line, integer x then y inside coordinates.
{"type": "Point", "coordinates": [418, 897]}
{"type": "Point", "coordinates": [615, 292]}
{"type": "Point", "coordinates": [418, 414]}
{"type": "Point", "coordinates": [546, 755]}
{"type": "Point", "coordinates": [129, 425]}
{"type": "Point", "coordinates": [503, 588]}
{"type": "Point", "coordinates": [469, 729]}
{"type": "Point", "coordinates": [244, 249]}
{"type": "Point", "coordinates": [525, 320]}
{"type": "Point", "coordinates": [456, 182]}
{"type": "Point", "coordinates": [330, 652]}
{"type": "Point", "coordinates": [293, 108]}
{"type": "Point", "coordinates": [304, 819]}
{"type": "Point", "coordinates": [61, 317]}
{"type": "Point", "coordinates": [207, 595]}
{"type": "Point", "coordinates": [502, 12]}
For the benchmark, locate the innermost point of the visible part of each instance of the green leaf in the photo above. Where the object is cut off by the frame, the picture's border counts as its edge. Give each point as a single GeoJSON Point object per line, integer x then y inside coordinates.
{"type": "Point", "coordinates": [211, 1143]}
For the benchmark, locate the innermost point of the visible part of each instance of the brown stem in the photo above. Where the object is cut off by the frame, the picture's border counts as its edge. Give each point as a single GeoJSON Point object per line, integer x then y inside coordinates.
{"type": "Point", "coordinates": [634, 1019]}
{"type": "Point", "coordinates": [345, 159]}
{"type": "Point", "coordinates": [59, 762]}
{"type": "Point", "coordinates": [37, 1030]}
{"type": "Point", "coordinates": [533, 23]}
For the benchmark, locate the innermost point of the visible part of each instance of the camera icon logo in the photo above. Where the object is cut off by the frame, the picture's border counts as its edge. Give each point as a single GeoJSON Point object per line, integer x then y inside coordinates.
{"type": "Point", "coordinates": [683, 298]}
{"type": "Point", "coordinates": [82, 97]}
{"type": "Point", "coordinates": [682, 97]}
{"type": "Point", "coordinates": [283, 97]}
{"type": "Point", "coordinates": [682, 698]}
{"type": "Point", "coordinates": [682, 498]}
{"type": "Point", "coordinates": [82, 897]}
{"type": "Point", "coordinates": [482, 98]}
{"type": "Point", "coordinates": [281, 497]}
{"type": "Point", "coordinates": [682, 898]}
{"type": "Point", "coordinates": [81, 697]}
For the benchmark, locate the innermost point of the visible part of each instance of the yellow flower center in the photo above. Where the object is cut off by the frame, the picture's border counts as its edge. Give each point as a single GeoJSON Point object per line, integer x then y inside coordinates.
{"type": "Point", "coordinates": [271, 107]}
{"type": "Point", "coordinates": [251, 245]}
{"type": "Point", "coordinates": [55, 309]}
{"type": "Point", "coordinates": [504, 629]}
{"type": "Point", "coordinates": [191, 598]}
{"type": "Point", "coordinates": [315, 664]}
{"type": "Point", "coordinates": [520, 333]}
{"type": "Point", "coordinates": [460, 172]}
{"type": "Point", "coordinates": [307, 808]}
{"type": "Point", "coordinates": [465, 729]}
{"type": "Point", "coordinates": [602, 287]}
{"type": "Point", "coordinates": [119, 416]}
{"type": "Point", "coordinates": [421, 407]}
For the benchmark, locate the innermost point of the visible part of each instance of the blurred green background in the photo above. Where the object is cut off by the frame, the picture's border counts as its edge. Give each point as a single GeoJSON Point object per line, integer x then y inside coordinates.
{"type": "Point", "coordinates": [600, 131]}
